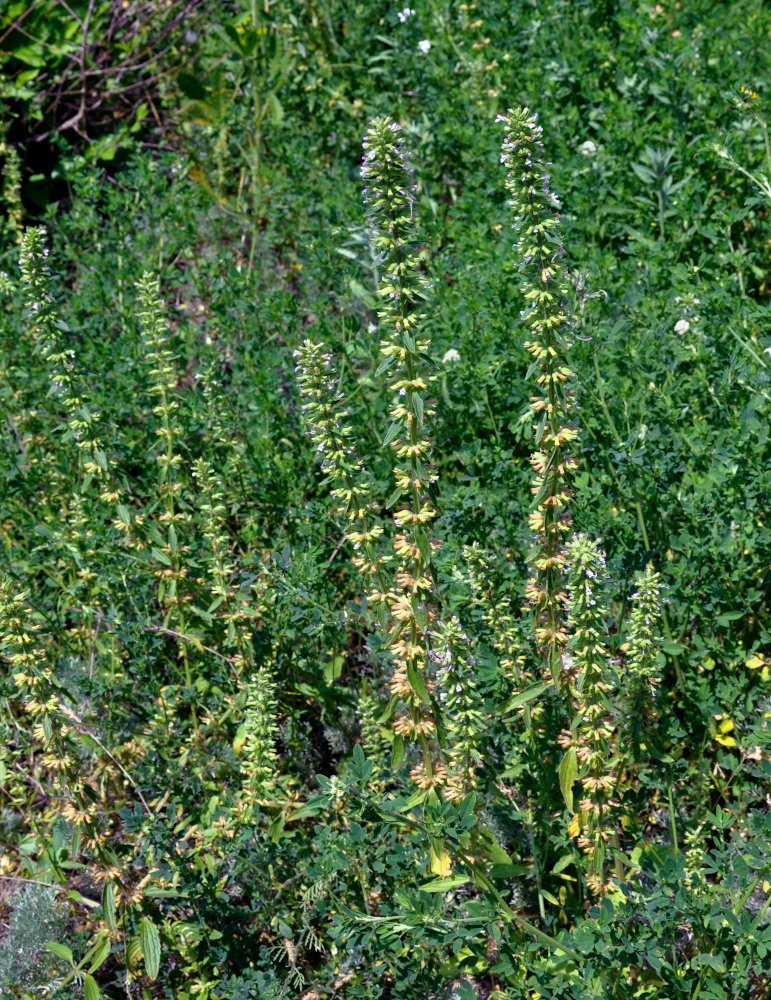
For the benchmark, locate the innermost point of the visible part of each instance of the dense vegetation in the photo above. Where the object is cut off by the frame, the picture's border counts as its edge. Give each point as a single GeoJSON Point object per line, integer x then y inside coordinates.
{"type": "Point", "coordinates": [385, 484]}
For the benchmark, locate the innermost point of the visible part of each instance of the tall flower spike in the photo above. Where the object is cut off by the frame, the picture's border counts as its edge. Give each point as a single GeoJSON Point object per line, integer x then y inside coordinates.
{"type": "Point", "coordinates": [590, 737]}
{"type": "Point", "coordinates": [330, 431]}
{"type": "Point", "coordinates": [461, 705]}
{"type": "Point", "coordinates": [389, 195]}
{"type": "Point", "coordinates": [260, 760]}
{"type": "Point", "coordinates": [644, 639]}
{"type": "Point", "coordinates": [170, 569]}
{"type": "Point", "coordinates": [11, 190]}
{"type": "Point", "coordinates": [540, 251]}
{"type": "Point", "coordinates": [49, 725]}
{"type": "Point", "coordinates": [222, 568]}
{"type": "Point", "coordinates": [47, 329]}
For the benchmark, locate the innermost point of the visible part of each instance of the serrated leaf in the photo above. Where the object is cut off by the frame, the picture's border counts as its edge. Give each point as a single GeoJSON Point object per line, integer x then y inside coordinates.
{"type": "Point", "coordinates": [150, 942]}
{"type": "Point", "coordinates": [568, 772]}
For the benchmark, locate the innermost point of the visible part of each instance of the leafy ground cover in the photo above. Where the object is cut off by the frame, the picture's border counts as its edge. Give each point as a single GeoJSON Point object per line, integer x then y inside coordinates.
{"type": "Point", "coordinates": [384, 508]}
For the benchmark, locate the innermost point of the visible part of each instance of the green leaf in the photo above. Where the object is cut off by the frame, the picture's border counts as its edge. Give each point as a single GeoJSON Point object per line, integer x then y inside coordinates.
{"type": "Point", "coordinates": [150, 941]}
{"type": "Point", "coordinates": [508, 870]}
{"type": "Point", "coordinates": [417, 684]}
{"type": "Point", "coordinates": [397, 755]}
{"type": "Point", "coordinates": [312, 807]}
{"type": "Point", "coordinates": [60, 950]}
{"type": "Point", "coordinates": [699, 961]}
{"type": "Point", "coordinates": [100, 954]}
{"type": "Point", "coordinates": [90, 989]}
{"type": "Point", "coordinates": [108, 906]}
{"type": "Point", "coordinates": [568, 772]}
{"type": "Point", "coordinates": [160, 556]}
{"type": "Point", "coordinates": [333, 670]}
{"type": "Point", "coordinates": [444, 884]}
{"type": "Point", "coordinates": [393, 430]}
{"type": "Point", "coordinates": [527, 695]}
{"type": "Point", "coordinates": [361, 767]}
{"type": "Point", "coordinates": [133, 951]}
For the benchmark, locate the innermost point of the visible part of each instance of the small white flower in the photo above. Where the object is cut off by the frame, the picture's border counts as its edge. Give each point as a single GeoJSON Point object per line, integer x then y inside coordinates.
{"type": "Point", "coordinates": [403, 15]}
{"type": "Point", "coordinates": [451, 355]}
{"type": "Point", "coordinates": [588, 148]}
{"type": "Point", "coordinates": [682, 326]}
{"type": "Point", "coordinates": [424, 46]}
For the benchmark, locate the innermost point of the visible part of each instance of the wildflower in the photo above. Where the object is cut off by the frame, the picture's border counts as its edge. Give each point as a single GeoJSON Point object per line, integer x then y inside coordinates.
{"type": "Point", "coordinates": [424, 46]}
{"type": "Point", "coordinates": [451, 355]}
{"type": "Point", "coordinates": [587, 148]}
{"type": "Point", "coordinates": [548, 337]}
{"type": "Point", "coordinates": [406, 14]}
{"type": "Point", "coordinates": [390, 196]}
{"type": "Point", "coordinates": [260, 760]}
{"type": "Point", "coordinates": [682, 326]}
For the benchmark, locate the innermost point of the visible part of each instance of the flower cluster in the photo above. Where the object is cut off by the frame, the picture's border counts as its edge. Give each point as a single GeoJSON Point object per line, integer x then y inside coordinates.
{"type": "Point", "coordinates": [591, 733]}
{"type": "Point", "coordinates": [540, 251]}
{"type": "Point", "coordinates": [688, 307]}
{"type": "Point", "coordinates": [460, 703]}
{"type": "Point", "coordinates": [389, 196]}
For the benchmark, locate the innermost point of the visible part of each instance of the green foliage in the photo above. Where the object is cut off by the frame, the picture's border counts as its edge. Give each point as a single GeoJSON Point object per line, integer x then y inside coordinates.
{"type": "Point", "coordinates": [320, 520]}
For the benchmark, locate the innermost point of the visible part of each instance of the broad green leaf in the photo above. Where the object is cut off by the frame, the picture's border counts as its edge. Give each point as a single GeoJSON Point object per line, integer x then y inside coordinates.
{"type": "Point", "coordinates": [527, 695]}
{"type": "Point", "coordinates": [133, 951]}
{"type": "Point", "coordinates": [150, 942]}
{"type": "Point", "coordinates": [397, 755]}
{"type": "Point", "coordinates": [108, 906]}
{"type": "Point", "coordinates": [60, 950]}
{"type": "Point", "coordinates": [100, 954]}
{"type": "Point", "coordinates": [90, 989]}
{"type": "Point", "coordinates": [568, 772]}
{"type": "Point", "coordinates": [444, 884]}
